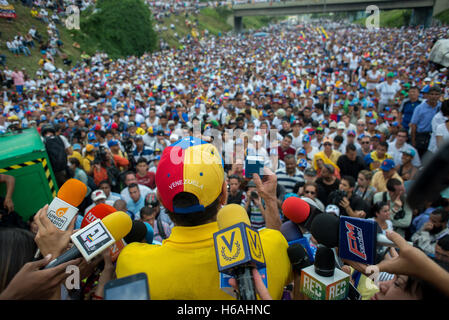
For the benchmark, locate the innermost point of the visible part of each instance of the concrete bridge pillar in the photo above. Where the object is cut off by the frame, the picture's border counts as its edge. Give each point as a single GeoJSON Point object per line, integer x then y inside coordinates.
{"type": "Point", "coordinates": [238, 24]}
{"type": "Point", "coordinates": [421, 16]}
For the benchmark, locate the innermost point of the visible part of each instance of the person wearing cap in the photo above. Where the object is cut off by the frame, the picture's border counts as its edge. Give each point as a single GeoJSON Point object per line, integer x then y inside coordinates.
{"type": "Point", "coordinates": [98, 196]}
{"type": "Point", "coordinates": [309, 149]}
{"type": "Point", "coordinates": [387, 171]}
{"type": "Point", "coordinates": [76, 153]}
{"type": "Point", "coordinates": [120, 160]}
{"type": "Point", "coordinates": [327, 156]}
{"type": "Point", "coordinates": [399, 145]}
{"type": "Point", "coordinates": [375, 158]}
{"type": "Point", "coordinates": [406, 169]}
{"type": "Point", "coordinates": [192, 197]}
{"type": "Point", "coordinates": [408, 106]}
{"type": "Point", "coordinates": [317, 142]}
{"type": "Point", "coordinates": [257, 149]}
{"type": "Point", "coordinates": [387, 91]}
{"type": "Point", "coordinates": [421, 122]}
{"type": "Point", "coordinates": [88, 159]}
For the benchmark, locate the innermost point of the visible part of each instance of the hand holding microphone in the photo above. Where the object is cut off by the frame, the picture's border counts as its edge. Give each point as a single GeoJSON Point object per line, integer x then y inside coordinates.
{"type": "Point", "coordinates": [50, 239]}
{"type": "Point", "coordinates": [261, 290]}
{"type": "Point", "coordinates": [238, 248]}
{"type": "Point", "coordinates": [63, 208]}
{"type": "Point", "coordinates": [96, 237]}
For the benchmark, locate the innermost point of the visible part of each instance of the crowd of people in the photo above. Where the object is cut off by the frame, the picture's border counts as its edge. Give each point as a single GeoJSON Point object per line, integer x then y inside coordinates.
{"type": "Point", "coordinates": [342, 117]}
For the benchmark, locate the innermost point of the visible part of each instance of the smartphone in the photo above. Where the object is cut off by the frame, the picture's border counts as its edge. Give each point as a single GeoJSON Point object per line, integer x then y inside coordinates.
{"type": "Point", "coordinates": [254, 164]}
{"type": "Point", "coordinates": [133, 287]}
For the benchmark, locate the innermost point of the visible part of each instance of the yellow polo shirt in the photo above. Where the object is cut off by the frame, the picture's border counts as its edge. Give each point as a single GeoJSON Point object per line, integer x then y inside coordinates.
{"type": "Point", "coordinates": [185, 266]}
{"type": "Point", "coordinates": [378, 181]}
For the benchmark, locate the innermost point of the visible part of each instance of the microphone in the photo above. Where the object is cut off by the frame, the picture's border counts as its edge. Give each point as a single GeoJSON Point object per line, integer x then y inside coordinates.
{"type": "Point", "coordinates": [356, 238]}
{"type": "Point", "coordinates": [298, 257]}
{"type": "Point", "coordinates": [63, 209]}
{"type": "Point", "coordinates": [296, 209]}
{"type": "Point", "coordinates": [95, 238]}
{"type": "Point", "coordinates": [238, 248]}
{"type": "Point", "coordinates": [138, 232]}
{"type": "Point", "coordinates": [293, 235]}
{"type": "Point", "coordinates": [100, 211]}
{"type": "Point", "coordinates": [322, 281]}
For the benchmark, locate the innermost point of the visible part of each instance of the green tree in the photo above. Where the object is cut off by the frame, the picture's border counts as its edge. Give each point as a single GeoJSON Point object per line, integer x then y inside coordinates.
{"type": "Point", "coordinates": [121, 28]}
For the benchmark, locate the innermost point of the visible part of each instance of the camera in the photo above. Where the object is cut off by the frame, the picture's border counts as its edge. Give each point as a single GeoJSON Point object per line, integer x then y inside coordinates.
{"type": "Point", "coordinates": [337, 196]}
{"type": "Point", "coordinates": [254, 195]}
{"type": "Point", "coordinates": [101, 155]}
{"type": "Point", "coordinates": [128, 145]}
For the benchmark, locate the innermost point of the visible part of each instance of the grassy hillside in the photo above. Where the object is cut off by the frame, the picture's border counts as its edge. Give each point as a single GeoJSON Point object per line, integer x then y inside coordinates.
{"type": "Point", "coordinates": [22, 24]}
{"type": "Point", "coordinates": [391, 18]}
{"type": "Point", "coordinates": [214, 20]}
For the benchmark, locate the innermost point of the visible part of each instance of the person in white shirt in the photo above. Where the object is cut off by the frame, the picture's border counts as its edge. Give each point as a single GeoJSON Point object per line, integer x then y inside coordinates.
{"type": "Point", "coordinates": [387, 91]}
{"type": "Point", "coordinates": [439, 119]}
{"type": "Point", "coordinates": [373, 77]}
{"type": "Point", "coordinates": [399, 145]}
{"type": "Point", "coordinates": [130, 177]}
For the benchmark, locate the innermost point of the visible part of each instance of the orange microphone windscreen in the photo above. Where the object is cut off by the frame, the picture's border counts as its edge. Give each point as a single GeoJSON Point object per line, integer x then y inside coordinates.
{"type": "Point", "coordinates": [73, 192]}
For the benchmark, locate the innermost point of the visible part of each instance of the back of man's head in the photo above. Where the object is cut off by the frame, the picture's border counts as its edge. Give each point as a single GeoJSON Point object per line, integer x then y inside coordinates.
{"type": "Point", "coordinates": [189, 181]}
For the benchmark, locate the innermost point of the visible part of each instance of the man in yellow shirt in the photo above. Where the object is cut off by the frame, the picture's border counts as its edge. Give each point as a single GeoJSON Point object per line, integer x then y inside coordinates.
{"type": "Point", "coordinates": [191, 186]}
{"type": "Point", "coordinates": [386, 172]}
{"type": "Point", "coordinates": [88, 159]}
{"type": "Point", "coordinates": [375, 158]}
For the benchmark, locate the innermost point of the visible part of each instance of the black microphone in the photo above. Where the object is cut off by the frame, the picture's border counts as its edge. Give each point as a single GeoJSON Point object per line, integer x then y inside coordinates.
{"type": "Point", "coordinates": [298, 257]}
{"type": "Point", "coordinates": [357, 239]}
{"type": "Point", "coordinates": [324, 262]}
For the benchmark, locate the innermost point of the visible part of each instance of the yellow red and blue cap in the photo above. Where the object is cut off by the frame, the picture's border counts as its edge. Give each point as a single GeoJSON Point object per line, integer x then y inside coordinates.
{"type": "Point", "coordinates": [190, 165]}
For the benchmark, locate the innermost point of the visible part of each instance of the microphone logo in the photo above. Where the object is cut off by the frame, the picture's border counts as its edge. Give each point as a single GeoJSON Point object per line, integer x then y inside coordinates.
{"type": "Point", "coordinates": [61, 211]}
{"type": "Point", "coordinates": [355, 240]}
{"type": "Point", "coordinates": [229, 245]}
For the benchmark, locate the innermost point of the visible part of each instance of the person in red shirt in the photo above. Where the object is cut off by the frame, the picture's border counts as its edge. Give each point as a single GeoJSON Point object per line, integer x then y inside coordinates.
{"type": "Point", "coordinates": [145, 177]}
{"type": "Point", "coordinates": [285, 148]}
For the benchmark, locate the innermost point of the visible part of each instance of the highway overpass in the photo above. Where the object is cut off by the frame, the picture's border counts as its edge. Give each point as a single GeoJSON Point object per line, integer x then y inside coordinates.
{"type": "Point", "coordinates": [423, 9]}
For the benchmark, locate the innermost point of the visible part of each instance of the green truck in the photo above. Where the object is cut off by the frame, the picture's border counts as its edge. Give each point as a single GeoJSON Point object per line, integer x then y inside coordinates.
{"type": "Point", "coordinates": [23, 156]}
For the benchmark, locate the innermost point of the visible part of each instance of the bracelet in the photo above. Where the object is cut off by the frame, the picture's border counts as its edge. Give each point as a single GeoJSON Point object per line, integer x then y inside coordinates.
{"type": "Point", "coordinates": [94, 296]}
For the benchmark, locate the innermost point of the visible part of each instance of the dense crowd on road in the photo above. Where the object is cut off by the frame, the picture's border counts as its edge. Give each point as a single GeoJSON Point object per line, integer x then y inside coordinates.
{"type": "Point", "coordinates": [344, 116]}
